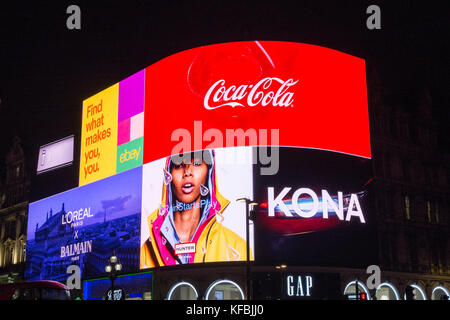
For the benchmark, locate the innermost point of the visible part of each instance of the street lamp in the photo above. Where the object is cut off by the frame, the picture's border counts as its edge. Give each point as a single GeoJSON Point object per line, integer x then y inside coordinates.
{"type": "Point", "coordinates": [112, 269]}
{"type": "Point", "coordinates": [281, 268]}
{"type": "Point", "coordinates": [249, 204]}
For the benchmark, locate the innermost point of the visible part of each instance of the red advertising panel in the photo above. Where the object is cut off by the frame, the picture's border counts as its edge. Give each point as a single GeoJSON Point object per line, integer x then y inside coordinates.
{"type": "Point", "coordinates": [288, 94]}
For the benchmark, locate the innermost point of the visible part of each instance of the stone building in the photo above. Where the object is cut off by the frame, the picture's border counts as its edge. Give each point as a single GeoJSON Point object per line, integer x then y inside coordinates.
{"type": "Point", "coordinates": [14, 191]}
{"type": "Point", "coordinates": [411, 190]}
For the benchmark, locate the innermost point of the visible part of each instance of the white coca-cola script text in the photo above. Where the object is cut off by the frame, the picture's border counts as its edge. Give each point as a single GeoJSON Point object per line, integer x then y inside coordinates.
{"type": "Point", "coordinates": [268, 91]}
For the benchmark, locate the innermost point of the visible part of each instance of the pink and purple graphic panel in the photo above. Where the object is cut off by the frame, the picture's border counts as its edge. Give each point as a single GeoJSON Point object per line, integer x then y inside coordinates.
{"type": "Point", "coordinates": [131, 108]}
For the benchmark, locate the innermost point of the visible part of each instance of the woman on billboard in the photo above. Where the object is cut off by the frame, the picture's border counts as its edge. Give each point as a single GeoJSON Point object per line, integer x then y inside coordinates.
{"type": "Point", "coordinates": [187, 227]}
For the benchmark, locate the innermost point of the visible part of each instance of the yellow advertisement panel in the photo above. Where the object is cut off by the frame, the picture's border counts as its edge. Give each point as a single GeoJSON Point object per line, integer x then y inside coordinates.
{"type": "Point", "coordinates": [99, 136]}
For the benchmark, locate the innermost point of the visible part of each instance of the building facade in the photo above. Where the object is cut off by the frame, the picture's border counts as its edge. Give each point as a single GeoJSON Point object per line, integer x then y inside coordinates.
{"type": "Point", "coordinates": [411, 190]}
{"type": "Point", "coordinates": [410, 199]}
{"type": "Point", "coordinates": [14, 191]}
{"type": "Point", "coordinates": [410, 196]}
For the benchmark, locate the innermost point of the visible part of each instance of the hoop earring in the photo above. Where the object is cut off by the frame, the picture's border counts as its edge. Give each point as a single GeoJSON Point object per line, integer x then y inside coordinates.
{"type": "Point", "coordinates": [167, 177]}
{"type": "Point", "coordinates": [203, 190]}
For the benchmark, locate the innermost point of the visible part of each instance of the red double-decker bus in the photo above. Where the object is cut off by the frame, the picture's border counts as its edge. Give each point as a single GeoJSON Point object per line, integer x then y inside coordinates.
{"type": "Point", "coordinates": [34, 290]}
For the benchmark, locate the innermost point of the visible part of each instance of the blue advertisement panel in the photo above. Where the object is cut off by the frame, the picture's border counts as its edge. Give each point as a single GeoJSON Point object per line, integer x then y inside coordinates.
{"type": "Point", "coordinates": [133, 287]}
{"type": "Point", "coordinates": [84, 227]}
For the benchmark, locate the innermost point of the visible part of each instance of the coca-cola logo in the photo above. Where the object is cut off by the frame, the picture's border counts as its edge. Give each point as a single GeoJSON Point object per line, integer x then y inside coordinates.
{"type": "Point", "coordinates": [268, 91]}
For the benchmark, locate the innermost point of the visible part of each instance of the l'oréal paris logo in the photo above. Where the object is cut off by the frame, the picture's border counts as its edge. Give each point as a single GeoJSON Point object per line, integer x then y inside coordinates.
{"type": "Point", "coordinates": [268, 91]}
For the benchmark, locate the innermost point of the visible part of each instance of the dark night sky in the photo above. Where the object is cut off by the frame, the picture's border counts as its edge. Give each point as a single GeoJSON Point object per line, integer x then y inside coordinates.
{"type": "Point", "coordinates": [46, 70]}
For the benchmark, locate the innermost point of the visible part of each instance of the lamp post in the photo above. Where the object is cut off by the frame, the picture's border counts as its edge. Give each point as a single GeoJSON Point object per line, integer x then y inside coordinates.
{"type": "Point", "coordinates": [281, 268]}
{"type": "Point", "coordinates": [112, 269]}
{"type": "Point", "coordinates": [248, 204]}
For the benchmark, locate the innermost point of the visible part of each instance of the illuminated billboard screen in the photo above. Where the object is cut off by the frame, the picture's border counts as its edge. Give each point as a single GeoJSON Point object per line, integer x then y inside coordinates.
{"type": "Point", "coordinates": [134, 286]}
{"type": "Point", "coordinates": [315, 210]}
{"type": "Point", "coordinates": [55, 155]}
{"type": "Point", "coordinates": [309, 101]}
{"type": "Point", "coordinates": [283, 124]}
{"type": "Point", "coordinates": [112, 130]}
{"type": "Point", "coordinates": [84, 227]}
{"type": "Point", "coordinates": [190, 211]}
{"type": "Point", "coordinates": [256, 93]}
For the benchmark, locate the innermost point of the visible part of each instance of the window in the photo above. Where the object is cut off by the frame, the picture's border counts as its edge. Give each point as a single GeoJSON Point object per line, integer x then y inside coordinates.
{"type": "Point", "coordinates": [350, 290]}
{"type": "Point", "coordinates": [429, 211]}
{"type": "Point", "coordinates": [10, 259]}
{"type": "Point", "coordinates": [23, 225]}
{"type": "Point", "coordinates": [24, 252]}
{"type": "Point", "coordinates": [418, 292]}
{"type": "Point", "coordinates": [11, 229]}
{"type": "Point", "coordinates": [54, 294]}
{"type": "Point", "coordinates": [387, 291]}
{"type": "Point", "coordinates": [23, 294]}
{"type": "Point", "coordinates": [437, 213]}
{"type": "Point", "coordinates": [3, 200]}
{"type": "Point", "coordinates": [224, 290]}
{"type": "Point", "coordinates": [182, 291]}
{"type": "Point", "coordinates": [440, 293]}
{"type": "Point", "coordinates": [407, 208]}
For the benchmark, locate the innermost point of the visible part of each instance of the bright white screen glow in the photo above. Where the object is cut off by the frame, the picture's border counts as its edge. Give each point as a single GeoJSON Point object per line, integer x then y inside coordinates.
{"type": "Point", "coordinates": [55, 155]}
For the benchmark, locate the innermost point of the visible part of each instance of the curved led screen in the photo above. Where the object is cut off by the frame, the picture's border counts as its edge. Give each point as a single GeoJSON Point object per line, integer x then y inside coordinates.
{"type": "Point", "coordinates": [283, 124]}
{"type": "Point", "coordinates": [316, 97]}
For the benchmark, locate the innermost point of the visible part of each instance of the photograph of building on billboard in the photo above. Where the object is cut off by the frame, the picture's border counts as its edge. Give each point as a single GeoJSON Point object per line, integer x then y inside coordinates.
{"type": "Point", "coordinates": [84, 227]}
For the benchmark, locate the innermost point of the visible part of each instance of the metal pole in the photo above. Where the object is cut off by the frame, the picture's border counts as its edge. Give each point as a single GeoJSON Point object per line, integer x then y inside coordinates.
{"type": "Point", "coordinates": [112, 286]}
{"type": "Point", "coordinates": [247, 203]}
{"type": "Point", "coordinates": [281, 283]}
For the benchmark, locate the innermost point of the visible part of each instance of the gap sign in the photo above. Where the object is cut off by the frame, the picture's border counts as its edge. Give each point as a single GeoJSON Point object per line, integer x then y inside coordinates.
{"type": "Point", "coordinates": [308, 286]}
{"type": "Point", "coordinates": [299, 286]}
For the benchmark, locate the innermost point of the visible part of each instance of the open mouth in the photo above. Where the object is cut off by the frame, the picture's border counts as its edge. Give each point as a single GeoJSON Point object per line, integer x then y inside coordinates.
{"type": "Point", "coordinates": [187, 188]}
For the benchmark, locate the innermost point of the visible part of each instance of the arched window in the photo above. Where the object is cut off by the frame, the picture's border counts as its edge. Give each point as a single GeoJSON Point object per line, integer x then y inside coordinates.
{"type": "Point", "coordinates": [439, 293]}
{"type": "Point", "coordinates": [224, 290]}
{"type": "Point", "coordinates": [350, 289]}
{"type": "Point", "coordinates": [182, 291]}
{"type": "Point", "coordinates": [386, 291]}
{"type": "Point", "coordinates": [419, 294]}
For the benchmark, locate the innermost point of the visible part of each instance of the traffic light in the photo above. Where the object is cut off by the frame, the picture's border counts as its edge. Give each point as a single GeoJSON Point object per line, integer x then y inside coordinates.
{"type": "Point", "coordinates": [360, 296]}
